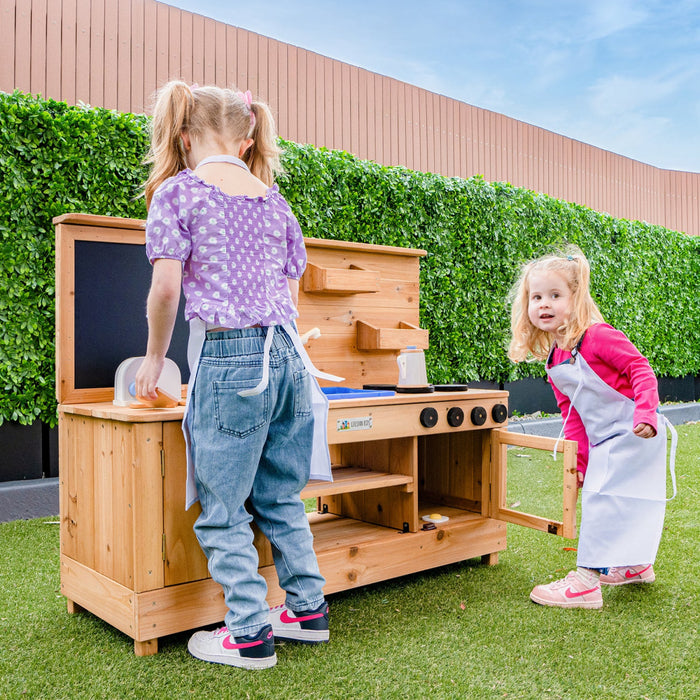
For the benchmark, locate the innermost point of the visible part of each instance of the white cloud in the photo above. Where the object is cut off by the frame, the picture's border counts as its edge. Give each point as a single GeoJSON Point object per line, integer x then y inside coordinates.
{"type": "Point", "coordinates": [607, 17]}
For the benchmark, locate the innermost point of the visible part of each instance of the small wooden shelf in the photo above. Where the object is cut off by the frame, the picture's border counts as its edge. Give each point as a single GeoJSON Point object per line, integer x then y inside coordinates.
{"type": "Point", "coordinates": [370, 337]}
{"type": "Point", "coordinates": [351, 479]}
{"type": "Point", "coordinates": [333, 280]}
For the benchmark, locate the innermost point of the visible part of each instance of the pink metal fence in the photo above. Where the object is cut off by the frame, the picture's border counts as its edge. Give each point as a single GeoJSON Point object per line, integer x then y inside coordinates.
{"type": "Point", "coordinates": [115, 53]}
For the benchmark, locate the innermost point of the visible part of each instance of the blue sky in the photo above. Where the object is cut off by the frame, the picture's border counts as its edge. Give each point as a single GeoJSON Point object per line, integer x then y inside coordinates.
{"type": "Point", "coordinates": [623, 75]}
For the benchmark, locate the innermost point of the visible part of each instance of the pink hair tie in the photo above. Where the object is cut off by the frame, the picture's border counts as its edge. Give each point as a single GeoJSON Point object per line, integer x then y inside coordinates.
{"type": "Point", "coordinates": [247, 97]}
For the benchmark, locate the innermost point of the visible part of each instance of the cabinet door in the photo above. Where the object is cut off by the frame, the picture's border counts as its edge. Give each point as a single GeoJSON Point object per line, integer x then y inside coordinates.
{"type": "Point", "coordinates": [501, 440]}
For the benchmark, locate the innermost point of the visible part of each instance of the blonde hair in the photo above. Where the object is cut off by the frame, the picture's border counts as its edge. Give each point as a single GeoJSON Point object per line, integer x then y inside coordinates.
{"type": "Point", "coordinates": [221, 113]}
{"type": "Point", "coordinates": [527, 340]}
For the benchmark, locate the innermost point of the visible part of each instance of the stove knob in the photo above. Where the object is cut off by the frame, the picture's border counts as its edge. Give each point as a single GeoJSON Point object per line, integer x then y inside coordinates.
{"type": "Point", "coordinates": [455, 416]}
{"type": "Point", "coordinates": [428, 417]}
{"type": "Point", "coordinates": [478, 415]}
{"type": "Point", "coordinates": [499, 413]}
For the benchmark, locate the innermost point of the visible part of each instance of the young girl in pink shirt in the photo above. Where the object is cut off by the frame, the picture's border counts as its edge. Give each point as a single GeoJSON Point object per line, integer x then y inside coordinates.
{"type": "Point", "coordinates": [608, 396]}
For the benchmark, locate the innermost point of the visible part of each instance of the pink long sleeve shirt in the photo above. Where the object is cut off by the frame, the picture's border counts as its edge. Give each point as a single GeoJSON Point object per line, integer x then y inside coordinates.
{"type": "Point", "coordinates": [613, 357]}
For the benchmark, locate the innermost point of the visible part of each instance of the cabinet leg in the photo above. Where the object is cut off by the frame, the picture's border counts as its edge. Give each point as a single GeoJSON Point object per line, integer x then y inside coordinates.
{"type": "Point", "coordinates": [147, 648]}
{"type": "Point", "coordinates": [73, 608]}
{"type": "Point", "coordinates": [490, 559]}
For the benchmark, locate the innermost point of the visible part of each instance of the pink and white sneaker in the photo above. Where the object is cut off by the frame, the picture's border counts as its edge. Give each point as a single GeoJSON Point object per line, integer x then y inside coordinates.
{"type": "Point", "coordinates": [309, 626]}
{"type": "Point", "coordinates": [221, 647]}
{"type": "Point", "coordinates": [569, 592]}
{"type": "Point", "coordinates": [622, 575]}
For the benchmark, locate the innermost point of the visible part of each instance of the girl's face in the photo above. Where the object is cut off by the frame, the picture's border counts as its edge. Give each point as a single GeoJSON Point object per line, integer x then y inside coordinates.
{"type": "Point", "coordinates": [549, 302]}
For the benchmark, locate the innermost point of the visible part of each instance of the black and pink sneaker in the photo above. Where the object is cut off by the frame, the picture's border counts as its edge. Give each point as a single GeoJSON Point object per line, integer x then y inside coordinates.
{"type": "Point", "coordinates": [309, 626]}
{"type": "Point", "coordinates": [221, 647]}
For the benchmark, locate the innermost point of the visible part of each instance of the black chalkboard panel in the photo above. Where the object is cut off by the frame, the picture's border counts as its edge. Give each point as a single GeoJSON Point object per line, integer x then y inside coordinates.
{"type": "Point", "coordinates": [111, 285]}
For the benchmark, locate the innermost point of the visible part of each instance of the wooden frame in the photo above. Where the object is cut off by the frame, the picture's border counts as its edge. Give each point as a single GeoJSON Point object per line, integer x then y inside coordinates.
{"type": "Point", "coordinates": [500, 440]}
{"type": "Point", "coordinates": [69, 229]}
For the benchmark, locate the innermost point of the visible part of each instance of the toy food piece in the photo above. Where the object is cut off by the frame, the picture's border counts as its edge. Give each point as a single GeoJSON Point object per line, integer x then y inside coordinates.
{"type": "Point", "coordinates": [435, 518]}
{"type": "Point", "coordinates": [164, 400]}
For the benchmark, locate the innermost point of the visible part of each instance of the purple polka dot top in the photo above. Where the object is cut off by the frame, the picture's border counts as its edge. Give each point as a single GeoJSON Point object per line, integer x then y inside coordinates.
{"type": "Point", "coordinates": [237, 251]}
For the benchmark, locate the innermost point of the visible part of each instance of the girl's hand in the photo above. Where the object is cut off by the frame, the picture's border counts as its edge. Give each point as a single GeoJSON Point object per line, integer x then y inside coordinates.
{"type": "Point", "coordinates": [644, 430]}
{"type": "Point", "coordinates": [147, 377]}
{"type": "Point", "coordinates": [579, 479]}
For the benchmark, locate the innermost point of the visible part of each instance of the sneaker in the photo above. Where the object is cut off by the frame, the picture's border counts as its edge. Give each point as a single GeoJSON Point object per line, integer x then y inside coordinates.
{"type": "Point", "coordinates": [310, 626]}
{"type": "Point", "coordinates": [221, 647]}
{"type": "Point", "coordinates": [568, 592]}
{"type": "Point", "coordinates": [621, 575]}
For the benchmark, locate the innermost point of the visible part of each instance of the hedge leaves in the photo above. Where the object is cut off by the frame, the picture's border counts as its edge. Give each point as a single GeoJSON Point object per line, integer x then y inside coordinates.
{"type": "Point", "coordinates": [55, 159]}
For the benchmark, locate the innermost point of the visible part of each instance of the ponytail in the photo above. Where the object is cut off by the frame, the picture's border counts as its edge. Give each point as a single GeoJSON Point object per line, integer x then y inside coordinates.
{"type": "Point", "coordinates": [171, 114]}
{"type": "Point", "coordinates": [224, 115]}
{"type": "Point", "coordinates": [263, 157]}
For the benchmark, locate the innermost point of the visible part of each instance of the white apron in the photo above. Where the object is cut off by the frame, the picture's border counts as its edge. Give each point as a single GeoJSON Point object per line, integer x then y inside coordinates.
{"type": "Point", "coordinates": [623, 499]}
{"type": "Point", "coordinates": [320, 456]}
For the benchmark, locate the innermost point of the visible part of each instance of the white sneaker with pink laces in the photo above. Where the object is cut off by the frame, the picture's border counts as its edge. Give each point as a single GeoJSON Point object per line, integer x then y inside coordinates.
{"type": "Point", "coordinates": [572, 591]}
{"type": "Point", "coordinates": [622, 575]}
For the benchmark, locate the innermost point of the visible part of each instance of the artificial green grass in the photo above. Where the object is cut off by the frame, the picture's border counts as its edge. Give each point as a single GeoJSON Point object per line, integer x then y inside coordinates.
{"type": "Point", "coordinates": [461, 631]}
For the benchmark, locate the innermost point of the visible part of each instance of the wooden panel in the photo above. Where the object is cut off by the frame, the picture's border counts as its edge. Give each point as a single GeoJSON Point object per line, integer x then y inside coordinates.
{"type": "Point", "coordinates": [37, 71]}
{"type": "Point", "coordinates": [352, 280]}
{"type": "Point", "coordinates": [198, 49]}
{"type": "Point", "coordinates": [184, 559]}
{"type": "Point", "coordinates": [147, 504]}
{"type": "Point", "coordinates": [390, 507]}
{"type": "Point", "coordinates": [450, 468]}
{"type": "Point", "coordinates": [174, 43]}
{"type": "Point", "coordinates": [354, 478]}
{"type": "Point", "coordinates": [150, 53]}
{"type": "Point", "coordinates": [136, 84]}
{"type": "Point", "coordinates": [23, 46]}
{"type": "Point", "coordinates": [160, 33]}
{"type": "Point", "coordinates": [76, 486]}
{"type": "Point", "coordinates": [186, 48]}
{"type": "Point", "coordinates": [8, 50]}
{"type": "Point", "coordinates": [54, 45]}
{"type": "Point", "coordinates": [93, 591]}
{"type": "Point", "coordinates": [370, 337]}
{"type": "Point", "coordinates": [111, 54]}
{"type": "Point", "coordinates": [104, 516]}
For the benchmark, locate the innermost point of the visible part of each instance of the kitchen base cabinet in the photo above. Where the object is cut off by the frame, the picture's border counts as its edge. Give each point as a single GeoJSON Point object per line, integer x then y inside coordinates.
{"type": "Point", "coordinates": [129, 554]}
{"type": "Point", "coordinates": [128, 550]}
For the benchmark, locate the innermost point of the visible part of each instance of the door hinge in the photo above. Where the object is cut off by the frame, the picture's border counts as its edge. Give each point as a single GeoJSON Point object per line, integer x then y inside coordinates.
{"type": "Point", "coordinates": [163, 548]}
{"type": "Point", "coordinates": [162, 464]}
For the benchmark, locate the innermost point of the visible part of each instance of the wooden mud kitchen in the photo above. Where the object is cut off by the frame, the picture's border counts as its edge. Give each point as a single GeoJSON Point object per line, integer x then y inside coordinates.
{"type": "Point", "coordinates": [128, 551]}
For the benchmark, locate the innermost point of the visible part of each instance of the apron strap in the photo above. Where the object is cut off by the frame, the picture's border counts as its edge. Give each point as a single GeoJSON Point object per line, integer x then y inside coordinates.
{"type": "Point", "coordinates": [262, 385]}
{"type": "Point", "coordinates": [224, 158]}
{"type": "Point", "coordinates": [672, 459]}
{"type": "Point", "coordinates": [293, 333]}
{"type": "Point", "coordinates": [568, 415]}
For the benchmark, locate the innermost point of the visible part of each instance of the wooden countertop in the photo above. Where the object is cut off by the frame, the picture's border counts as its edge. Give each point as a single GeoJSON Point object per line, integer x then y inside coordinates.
{"type": "Point", "coordinates": [108, 411]}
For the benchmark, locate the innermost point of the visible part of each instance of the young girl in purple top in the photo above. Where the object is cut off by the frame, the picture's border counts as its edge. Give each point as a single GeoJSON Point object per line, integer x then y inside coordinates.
{"type": "Point", "coordinates": [608, 397]}
{"type": "Point", "coordinates": [220, 229]}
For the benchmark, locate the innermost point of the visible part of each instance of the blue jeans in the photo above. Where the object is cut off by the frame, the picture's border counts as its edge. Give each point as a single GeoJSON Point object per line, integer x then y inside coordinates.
{"type": "Point", "coordinates": [252, 457]}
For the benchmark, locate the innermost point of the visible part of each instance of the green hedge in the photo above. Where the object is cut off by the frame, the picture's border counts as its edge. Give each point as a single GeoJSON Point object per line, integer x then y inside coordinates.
{"type": "Point", "coordinates": [56, 159]}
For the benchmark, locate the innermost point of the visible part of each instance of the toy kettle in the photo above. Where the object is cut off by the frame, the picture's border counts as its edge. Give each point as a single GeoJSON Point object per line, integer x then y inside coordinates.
{"type": "Point", "coordinates": [412, 371]}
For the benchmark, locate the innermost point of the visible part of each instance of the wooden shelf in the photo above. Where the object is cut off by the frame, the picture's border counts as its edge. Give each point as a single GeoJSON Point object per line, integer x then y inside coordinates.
{"type": "Point", "coordinates": [349, 479]}
{"type": "Point", "coordinates": [370, 337]}
{"type": "Point", "coordinates": [330, 280]}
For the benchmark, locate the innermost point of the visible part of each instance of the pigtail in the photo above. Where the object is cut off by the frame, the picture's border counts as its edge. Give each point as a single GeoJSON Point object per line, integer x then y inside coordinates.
{"type": "Point", "coordinates": [263, 157]}
{"type": "Point", "coordinates": [171, 114]}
